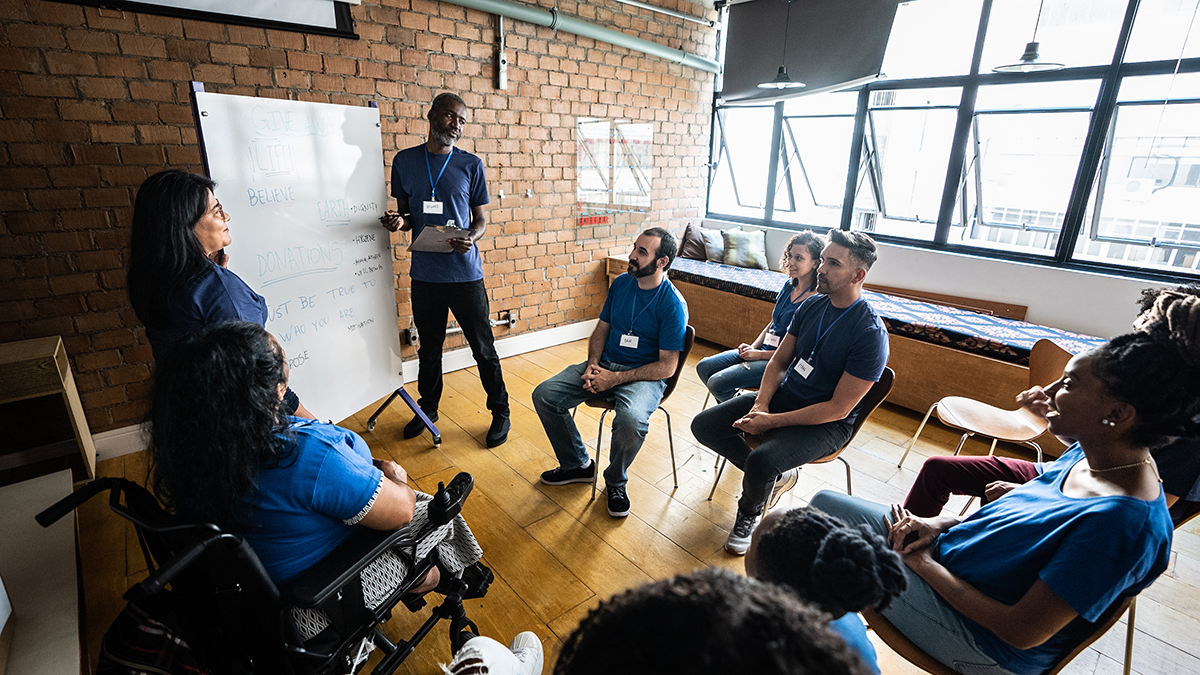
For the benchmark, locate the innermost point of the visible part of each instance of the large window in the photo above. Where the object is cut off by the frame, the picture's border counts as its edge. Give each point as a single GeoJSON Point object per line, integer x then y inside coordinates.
{"type": "Point", "coordinates": [1094, 166]}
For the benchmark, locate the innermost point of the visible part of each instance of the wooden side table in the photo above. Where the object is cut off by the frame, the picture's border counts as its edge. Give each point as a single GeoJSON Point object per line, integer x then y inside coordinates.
{"type": "Point", "coordinates": [44, 428]}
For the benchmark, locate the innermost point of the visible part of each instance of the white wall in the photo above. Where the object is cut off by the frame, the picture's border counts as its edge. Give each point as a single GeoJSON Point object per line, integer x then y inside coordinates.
{"type": "Point", "coordinates": [1083, 302]}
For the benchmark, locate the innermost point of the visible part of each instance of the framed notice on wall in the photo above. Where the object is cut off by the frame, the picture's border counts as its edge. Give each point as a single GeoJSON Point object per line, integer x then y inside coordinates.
{"type": "Point", "coordinates": [324, 17]}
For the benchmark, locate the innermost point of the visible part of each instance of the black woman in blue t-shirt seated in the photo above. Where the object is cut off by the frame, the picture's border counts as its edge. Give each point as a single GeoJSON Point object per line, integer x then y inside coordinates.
{"type": "Point", "coordinates": [177, 280]}
{"type": "Point", "coordinates": [1017, 584]}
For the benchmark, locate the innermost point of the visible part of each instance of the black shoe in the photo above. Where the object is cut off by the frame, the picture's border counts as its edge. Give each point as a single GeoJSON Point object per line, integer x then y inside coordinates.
{"type": "Point", "coordinates": [416, 426]}
{"type": "Point", "coordinates": [618, 501]}
{"type": "Point", "coordinates": [561, 476]}
{"type": "Point", "coordinates": [498, 432]}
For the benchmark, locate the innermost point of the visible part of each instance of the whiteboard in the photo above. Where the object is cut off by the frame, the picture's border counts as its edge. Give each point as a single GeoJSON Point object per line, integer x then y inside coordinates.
{"type": "Point", "coordinates": [304, 186]}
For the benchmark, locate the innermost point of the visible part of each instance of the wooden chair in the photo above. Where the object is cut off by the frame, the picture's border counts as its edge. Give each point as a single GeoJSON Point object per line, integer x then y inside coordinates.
{"type": "Point", "coordinates": [1046, 363]}
{"type": "Point", "coordinates": [608, 403]}
{"type": "Point", "coordinates": [909, 651]}
{"type": "Point", "coordinates": [866, 406]}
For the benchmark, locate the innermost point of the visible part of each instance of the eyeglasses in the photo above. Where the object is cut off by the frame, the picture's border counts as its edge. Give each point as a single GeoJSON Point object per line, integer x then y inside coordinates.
{"type": "Point", "coordinates": [219, 212]}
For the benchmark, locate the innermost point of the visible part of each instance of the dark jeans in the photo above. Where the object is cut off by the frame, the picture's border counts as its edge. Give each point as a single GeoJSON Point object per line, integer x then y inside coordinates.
{"type": "Point", "coordinates": [468, 301]}
{"type": "Point", "coordinates": [783, 449]}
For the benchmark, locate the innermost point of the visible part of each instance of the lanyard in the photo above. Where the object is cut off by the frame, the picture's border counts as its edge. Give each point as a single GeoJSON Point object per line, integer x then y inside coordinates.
{"type": "Point", "coordinates": [789, 292]}
{"type": "Point", "coordinates": [433, 183]}
{"type": "Point", "coordinates": [633, 305]}
{"type": "Point", "coordinates": [820, 333]}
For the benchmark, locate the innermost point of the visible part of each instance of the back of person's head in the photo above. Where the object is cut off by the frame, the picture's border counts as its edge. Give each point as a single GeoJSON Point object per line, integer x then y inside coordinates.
{"type": "Point", "coordinates": [827, 562]}
{"type": "Point", "coordinates": [708, 622]}
{"type": "Point", "coordinates": [1156, 368]}
{"type": "Point", "coordinates": [862, 247]}
{"type": "Point", "coordinates": [214, 417]}
{"type": "Point", "coordinates": [668, 246]}
{"type": "Point", "coordinates": [163, 248]}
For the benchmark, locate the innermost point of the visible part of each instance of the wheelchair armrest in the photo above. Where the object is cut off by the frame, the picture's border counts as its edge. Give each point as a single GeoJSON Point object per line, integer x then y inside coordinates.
{"type": "Point", "coordinates": [321, 581]}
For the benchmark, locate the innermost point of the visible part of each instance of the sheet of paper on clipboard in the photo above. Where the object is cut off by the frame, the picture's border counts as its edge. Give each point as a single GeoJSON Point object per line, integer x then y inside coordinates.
{"type": "Point", "coordinates": [436, 238]}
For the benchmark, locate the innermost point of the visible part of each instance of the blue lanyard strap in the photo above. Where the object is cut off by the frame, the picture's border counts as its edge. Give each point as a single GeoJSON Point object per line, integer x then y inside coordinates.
{"type": "Point", "coordinates": [633, 305]}
{"type": "Point", "coordinates": [822, 334]}
{"type": "Point", "coordinates": [433, 183]}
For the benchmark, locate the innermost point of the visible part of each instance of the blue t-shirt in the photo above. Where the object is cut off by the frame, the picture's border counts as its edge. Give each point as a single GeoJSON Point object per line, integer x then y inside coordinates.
{"type": "Point", "coordinates": [658, 317]}
{"type": "Point", "coordinates": [214, 296]}
{"type": "Point", "coordinates": [854, 632]}
{"type": "Point", "coordinates": [781, 315]}
{"type": "Point", "coordinates": [852, 340]}
{"type": "Point", "coordinates": [460, 187]}
{"type": "Point", "coordinates": [1090, 552]}
{"type": "Point", "coordinates": [302, 504]}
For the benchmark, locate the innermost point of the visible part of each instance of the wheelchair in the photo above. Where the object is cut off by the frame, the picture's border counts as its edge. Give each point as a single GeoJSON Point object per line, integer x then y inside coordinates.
{"type": "Point", "coordinates": [235, 619]}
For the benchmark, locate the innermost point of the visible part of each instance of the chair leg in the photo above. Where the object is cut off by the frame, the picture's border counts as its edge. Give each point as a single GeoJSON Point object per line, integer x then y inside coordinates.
{"type": "Point", "coordinates": [917, 435]}
{"type": "Point", "coordinates": [962, 441]}
{"type": "Point", "coordinates": [849, 486]}
{"type": "Point", "coordinates": [596, 473]}
{"type": "Point", "coordinates": [992, 452]}
{"type": "Point", "coordinates": [707, 396]}
{"type": "Point", "coordinates": [970, 500]}
{"type": "Point", "coordinates": [721, 464]}
{"type": "Point", "coordinates": [1129, 630]}
{"type": "Point", "coordinates": [1037, 448]}
{"type": "Point", "coordinates": [671, 444]}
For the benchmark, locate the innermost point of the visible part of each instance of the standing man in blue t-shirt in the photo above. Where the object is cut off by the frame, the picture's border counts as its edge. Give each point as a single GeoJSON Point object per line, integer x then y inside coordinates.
{"type": "Point", "coordinates": [836, 348]}
{"type": "Point", "coordinates": [436, 184]}
{"type": "Point", "coordinates": [633, 350]}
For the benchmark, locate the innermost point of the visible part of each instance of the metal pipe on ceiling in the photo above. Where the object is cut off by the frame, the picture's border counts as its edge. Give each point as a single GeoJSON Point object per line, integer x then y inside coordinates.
{"type": "Point", "coordinates": [556, 20]}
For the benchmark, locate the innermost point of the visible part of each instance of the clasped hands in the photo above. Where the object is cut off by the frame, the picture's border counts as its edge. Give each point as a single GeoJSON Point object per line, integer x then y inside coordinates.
{"type": "Point", "coordinates": [597, 379]}
{"type": "Point", "coordinates": [759, 420]}
{"type": "Point", "coordinates": [913, 536]}
{"type": "Point", "coordinates": [748, 353]}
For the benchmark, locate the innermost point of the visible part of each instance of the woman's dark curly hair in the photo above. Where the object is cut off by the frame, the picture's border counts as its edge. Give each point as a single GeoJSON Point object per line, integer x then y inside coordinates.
{"type": "Point", "coordinates": [710, 621]}
{"type": "Point", "coordinates": [215, 418]}
{"type": "Point", "coordinates": [163, 250]}
{"type": "Point", "coordinates": [814, 244]}
{"type": "Point", "coordinates": [829, 563]}
{"type": "Point", "coordinates": [1156, 368]}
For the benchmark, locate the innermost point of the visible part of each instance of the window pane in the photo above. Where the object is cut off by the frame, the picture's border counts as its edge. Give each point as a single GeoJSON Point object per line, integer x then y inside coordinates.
{"type": "Point", "coordinates": [1149, 186]}
{"type": "Point", "coordinates": [1159, 31]}
{"type": "Point", "coordinates": [592, 182]}
{"type": "Point", "coordinates": [1069, 94]}
{"type": "Point", "coordinates": [741, 154]}
{"type": "Point", "coordinates": [1070, 32]}
{"type": "Point", "coordinates": [932, 38]}
{"type": "Point", "coordinates": [812, 175]}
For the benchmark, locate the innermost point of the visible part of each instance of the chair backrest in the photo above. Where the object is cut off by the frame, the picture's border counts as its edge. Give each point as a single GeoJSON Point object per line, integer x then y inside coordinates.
{"type": "Point", "coordinates": [689, 338]}
{"type": "Point", "coordinates": [871, 400]}
{"type": "Point", "coordinates": [1046, 362]}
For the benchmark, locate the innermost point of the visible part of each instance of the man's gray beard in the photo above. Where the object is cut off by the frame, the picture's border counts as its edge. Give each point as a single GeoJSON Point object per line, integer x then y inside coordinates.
{"type": "Point", "coordinates": [444, 140]}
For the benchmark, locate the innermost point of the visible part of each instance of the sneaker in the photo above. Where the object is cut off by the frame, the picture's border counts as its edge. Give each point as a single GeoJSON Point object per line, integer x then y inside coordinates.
{"type": "Point", "coordinates": [528, 650]}
{"type": "Point", "coordinates": [416, 426]}
{"type": "Point", "coordinates": [618, 501]}
{"type": "Point", "coordinates": [498, 433]}
{"type": "Point", "coordinates": [785, 482]}
{"type": "Point", "coordinates": [739, 536]}
{"type": "Point", "coordinates": [561, 476]}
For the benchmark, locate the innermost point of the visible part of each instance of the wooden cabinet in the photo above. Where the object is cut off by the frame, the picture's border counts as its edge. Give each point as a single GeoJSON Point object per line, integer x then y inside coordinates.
{"type": "Point", "coordinates": [42, 426]}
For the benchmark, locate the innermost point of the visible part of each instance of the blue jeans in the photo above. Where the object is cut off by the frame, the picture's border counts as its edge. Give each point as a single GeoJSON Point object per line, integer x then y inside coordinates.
{"type": "Point", "coordinates": [554, 399]}
{"type": "Point", "coordinates": [919, 612]}
{"type": "Point", "coordinates": [726, 372]}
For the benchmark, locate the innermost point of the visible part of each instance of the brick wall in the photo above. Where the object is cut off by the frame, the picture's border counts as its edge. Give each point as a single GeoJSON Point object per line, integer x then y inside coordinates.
{"type": "Point", "coordinates": [92, 101]}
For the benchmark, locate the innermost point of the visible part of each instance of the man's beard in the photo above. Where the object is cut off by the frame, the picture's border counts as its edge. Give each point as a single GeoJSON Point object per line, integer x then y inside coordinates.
{"type": "Point", "coordinates": [442, 138]}
{"type": "Point", "coordinates": [643, 271]}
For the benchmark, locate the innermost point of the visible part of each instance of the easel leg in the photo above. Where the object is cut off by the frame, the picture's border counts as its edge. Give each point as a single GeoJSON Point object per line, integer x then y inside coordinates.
{"type": "Point", "coordinates": [412, 405]}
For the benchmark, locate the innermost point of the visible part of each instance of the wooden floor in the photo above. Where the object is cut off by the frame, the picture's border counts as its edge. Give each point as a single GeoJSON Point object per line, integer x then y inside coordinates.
{"type": "Point", "coordinates": [556, 554]}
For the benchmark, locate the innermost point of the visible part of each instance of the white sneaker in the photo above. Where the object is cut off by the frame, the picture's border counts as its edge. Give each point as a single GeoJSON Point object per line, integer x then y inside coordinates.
{"type": "Point", "coordinates": [527, 647]}
{"type": "Point", "coordinates": [786, 481]}
{"type": "Point", "coordinates": [739, 536]}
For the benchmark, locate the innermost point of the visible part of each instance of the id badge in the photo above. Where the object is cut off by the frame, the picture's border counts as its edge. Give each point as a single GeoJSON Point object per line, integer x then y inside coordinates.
{"type": "Point", "coordinates": [771, 340]}
{"type": "Point", "coordinates": [432, 207]}
{"type": "Point", "coordinates": [803, 368]}
{"type": "Point", "coordinates": [630, 341]}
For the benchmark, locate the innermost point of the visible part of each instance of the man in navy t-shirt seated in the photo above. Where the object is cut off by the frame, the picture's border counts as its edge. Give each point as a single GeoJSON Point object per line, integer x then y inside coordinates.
{"type": "Point", "coordinates": [634, 349]}
{"type": "Point", "coordinates": [836, 348]}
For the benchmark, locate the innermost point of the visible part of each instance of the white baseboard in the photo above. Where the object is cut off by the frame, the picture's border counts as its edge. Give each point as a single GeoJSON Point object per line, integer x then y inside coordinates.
{"type": "Point", "coordinates": [126, 440]}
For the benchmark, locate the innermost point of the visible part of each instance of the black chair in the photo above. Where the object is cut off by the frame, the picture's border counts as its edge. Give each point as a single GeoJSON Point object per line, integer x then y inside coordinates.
{"type": "Point", "coordinates": [237, 620]}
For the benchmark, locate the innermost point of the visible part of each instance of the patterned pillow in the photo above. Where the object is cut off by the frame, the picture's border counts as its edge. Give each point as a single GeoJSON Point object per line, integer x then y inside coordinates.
{"type": "Point", "coordinates": [745, 249]}
{"type": "Point", "coordinates": [714, 245]}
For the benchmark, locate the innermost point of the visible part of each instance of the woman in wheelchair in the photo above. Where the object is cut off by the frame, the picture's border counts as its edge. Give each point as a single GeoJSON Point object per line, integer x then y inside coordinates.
{"type": "Point", "coordinates": [224, 451]}
{"type": "Point", "coordinates": [1016, 585]}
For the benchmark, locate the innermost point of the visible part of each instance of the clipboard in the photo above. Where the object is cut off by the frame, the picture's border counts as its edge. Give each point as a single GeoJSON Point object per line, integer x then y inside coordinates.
{"type": "Point", "coordinates": [436, 238]}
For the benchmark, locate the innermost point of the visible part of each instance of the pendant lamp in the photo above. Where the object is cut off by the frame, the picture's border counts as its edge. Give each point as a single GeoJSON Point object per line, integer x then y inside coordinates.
{"type": "Point", "coordinates": [782, 81]}
{"type": "Point", "coordinates": [1030, 62]}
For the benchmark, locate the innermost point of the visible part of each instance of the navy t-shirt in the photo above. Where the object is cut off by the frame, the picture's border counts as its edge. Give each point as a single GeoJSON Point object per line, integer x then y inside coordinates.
{"type": "Point", "coordinates": [460, 187]}
{"type": "Point", "coordinates": [658, 317]}
{"type": "Point", "coordinates": [781, 315]}
{"type": "Point", "coordinates": [852, 340]}
{"type": "Point", "coordinates": [214, 296]}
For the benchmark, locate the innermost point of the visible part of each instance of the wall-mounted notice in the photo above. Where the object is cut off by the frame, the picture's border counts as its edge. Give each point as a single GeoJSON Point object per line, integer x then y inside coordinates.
{"type": "Point", "coordinates": [304, 185]}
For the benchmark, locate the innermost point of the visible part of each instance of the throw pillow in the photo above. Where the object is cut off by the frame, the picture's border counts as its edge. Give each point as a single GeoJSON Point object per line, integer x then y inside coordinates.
{"type": "Point", "coordinates": [714, 245]}
{"type": "Point", "coordinates": [745, 249]}
{"type": "Point", "coordinates": [692, 245]}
